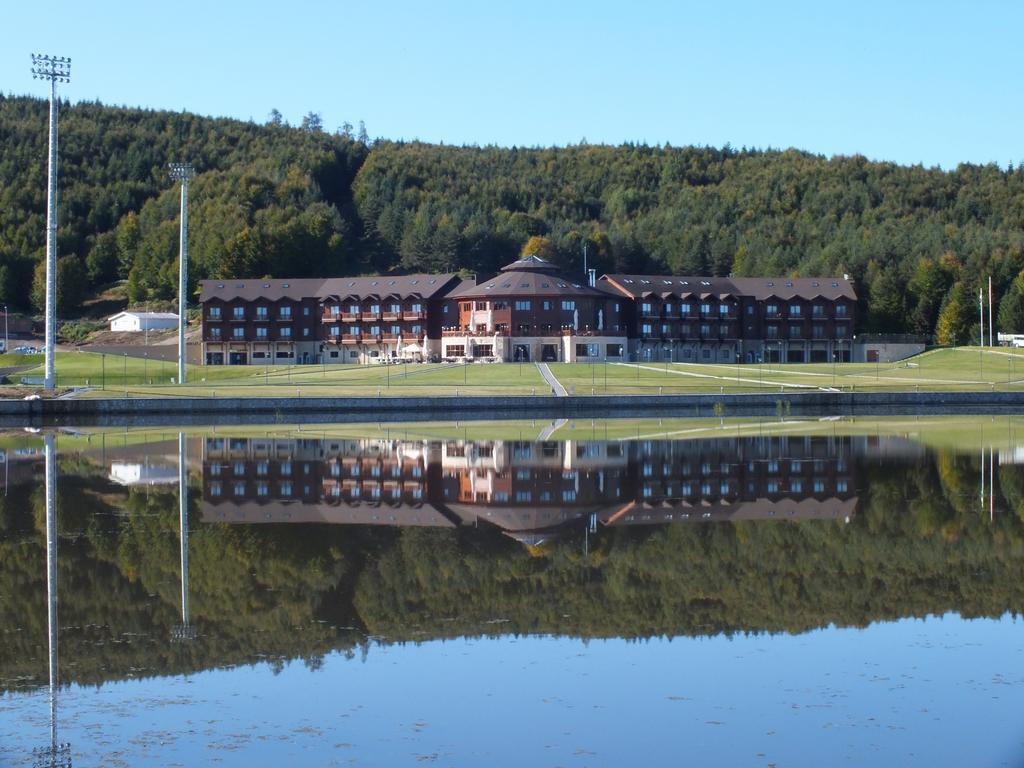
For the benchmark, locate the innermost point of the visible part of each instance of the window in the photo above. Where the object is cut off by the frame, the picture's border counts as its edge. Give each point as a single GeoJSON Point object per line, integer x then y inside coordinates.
{"type": "Point", "coordinates": [771, 331]}
{"type": "Point", "coordinates": [375, 330]}
{"type": "Point", "coordinates": [646, 308]}
{"type": "Point", "coordinates": [664, 330]}
{"type": "Point", "coordinates": [285, 313]}
{"type": "Point", "coordinates": [215, 489]}
{"type": "Point", "coordinates": [416, 330]}
{"type": "Point", "coordinates": [261, 313]}
{"type": "Point", "coordinates": [613, 350]}
{"type": "Point", "coordinates": [305, 332]}
{"type": "Point", "coordinates": [415, 307]}
{"type": "Point", "coordinates": [395, 330]}
{"type": "Point", "coordinates": [684, 309]}
{"type": "Point", "coordinates": [335, 330]}
{"type": "Point", "coordinates": [262, 467]}
{"type": "Point", "coordinates": [239, 468]}
{"type": "Point", "coordinates": [444, 309]}
{"type": "Point", "coordinates": [238, 333]}
{"type": "Point", "coordinates": [261, 332]}
{"type": "Point", "coordinates": [569, 495]}
{"type": "Point", "coordinates": [215, 333]}
{"type": "Point", "coordinates": [394, 308]}
{"type": "Point", "coordinates": [286, 488]}
{"type": "Point", "coordinates": [646, 329]}
{"type": "Point", "coordinates": [796, 486]}
{"type": "Point", "coordinates": [817, 311]}
{"type": "Point", "coordinates": [819, 486]}
{"type": "Point", "coordinates": [772, 309]}
{"type": "Point", "coordinates": [286, 333]}
{"type": "Point", "coordinates": [568, 304]}
{"type": "Point", "coordinates": [523, 496]}
{"type": "Point", "coordinates": [239, 489]}
{"type": "Point", "coordinates": [705, 308]}
{"type": "Point", "coordinates": [455, 350]}
{"type": "Point", "coordinates": [481, 305]}
{"type": "Point", "coordinates": [795, 332]}
{"type": "Point", "coordinates": [706, 354]}
{"type": "Point", "coordinates": [794, 310]}
{"type": "Point", "coordinates": [522, 304]}
{"type": "Point", "coordinates": [262, 489]}
{"type": "Point", "coordinates": [841, 486]}
{"type": "Point", "coordinates": [840, 310]}
{"type": "Point", "coordinates": [214, 313]}
{"type": "Point", "coordinates": [305, 311]}
{"type": "Point", "coordinates": [582, 350]}
{"type": "Point", "coordinates": [667, 308]}
{"type": "Point", "coordinates": [545, 305]}
{"type": "Point", "coordinates": [705, 330]}
{"type": "Point", "coordinates": [353, 309]}
{"type": "Point", "coordinates": [238, 313]}
{"type": "Point", "coordinates": [841, 330]}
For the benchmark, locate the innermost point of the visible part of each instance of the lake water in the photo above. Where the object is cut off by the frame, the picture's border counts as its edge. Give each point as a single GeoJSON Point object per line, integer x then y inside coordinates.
{"type": "Point", "coordinates": [756, 593]}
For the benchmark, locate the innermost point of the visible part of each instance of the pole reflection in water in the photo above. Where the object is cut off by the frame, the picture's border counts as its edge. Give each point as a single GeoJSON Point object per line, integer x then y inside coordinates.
{"type": "Point", "coordinates": [183, 631]}
{"type": "Point", "coordinates": [56, 754]}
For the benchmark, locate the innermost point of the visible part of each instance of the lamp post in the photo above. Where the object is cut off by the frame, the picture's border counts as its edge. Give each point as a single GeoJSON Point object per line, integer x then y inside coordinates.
{"type": "Point", "coordinates": [7, 346]}
{"type": "Point", "coordinates": [55, 69]}
{"type": "Point", "coordinates": [182, 172]}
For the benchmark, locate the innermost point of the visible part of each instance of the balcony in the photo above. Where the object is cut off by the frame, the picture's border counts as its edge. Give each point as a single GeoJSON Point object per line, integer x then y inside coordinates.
{"type": "Point", "coordinates": [238, 318]}
{"type": "Point", "coordinates": [284, 318]}
{"type": "Point", "coordinates": [390, 317]}
{"type": "Point", "coordinates": [371, 315]}
{"type": "Point", "coordinates": [456, 332]}
{"type": "Point", "coordinates": [408, 315]}
{"type": "Point", "coordinates": [352, 338]}
{"type": "Point", "coordinates": [348, 317]}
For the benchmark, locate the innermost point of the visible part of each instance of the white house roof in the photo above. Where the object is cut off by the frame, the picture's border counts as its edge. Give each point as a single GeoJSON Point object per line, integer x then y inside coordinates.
{"type": "Point", "coordinates": [146, 315]}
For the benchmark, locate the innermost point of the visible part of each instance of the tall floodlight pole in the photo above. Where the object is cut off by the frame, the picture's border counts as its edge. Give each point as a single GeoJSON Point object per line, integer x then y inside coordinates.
{"type": "Point", "coordinates": [56, 69]}
{"type": "Point", "coordinates": [182, 172]}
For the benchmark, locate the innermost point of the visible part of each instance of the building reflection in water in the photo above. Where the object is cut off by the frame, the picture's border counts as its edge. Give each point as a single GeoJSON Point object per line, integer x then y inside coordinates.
{"type": "Point", "coordinates": [533, 491]}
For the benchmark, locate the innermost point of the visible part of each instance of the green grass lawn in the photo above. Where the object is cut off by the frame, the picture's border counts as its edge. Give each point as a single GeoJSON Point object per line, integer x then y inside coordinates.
{"type": "Point", "coordinates": [961, 369]}
{"type": "Point", "coordinates": [965, 433]}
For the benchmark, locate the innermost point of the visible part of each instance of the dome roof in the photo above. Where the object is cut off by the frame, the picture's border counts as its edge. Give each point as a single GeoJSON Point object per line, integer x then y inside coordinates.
{"type": "Point", "coordinates": [531, 263]}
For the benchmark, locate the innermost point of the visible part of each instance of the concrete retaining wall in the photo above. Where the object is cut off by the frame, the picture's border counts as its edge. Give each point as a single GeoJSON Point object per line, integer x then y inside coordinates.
{"type": "Point", "coordinates": [321, 409]}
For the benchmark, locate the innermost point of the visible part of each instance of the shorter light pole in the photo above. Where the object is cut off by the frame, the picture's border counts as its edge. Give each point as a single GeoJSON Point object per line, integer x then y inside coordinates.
{"type": "Point", "coordinates": [7, 346]}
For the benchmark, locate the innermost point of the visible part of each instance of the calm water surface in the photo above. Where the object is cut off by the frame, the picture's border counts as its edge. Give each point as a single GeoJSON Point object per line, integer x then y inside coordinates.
{"type": "Point", "coordinates": [798, 596]}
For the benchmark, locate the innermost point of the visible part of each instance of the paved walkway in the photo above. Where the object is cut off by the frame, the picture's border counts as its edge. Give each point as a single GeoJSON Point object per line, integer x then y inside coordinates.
{"type": "Point", "coordinates": [549, 430]}
{"type": "Point", "coordinates": [556, 388]}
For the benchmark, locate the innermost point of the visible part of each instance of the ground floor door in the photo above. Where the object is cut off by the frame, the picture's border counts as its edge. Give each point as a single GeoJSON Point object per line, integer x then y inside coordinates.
{"type": "Point", "coordinates": [549, 353]}
{"type": "Point", "coordinates": [237, 358]}
{"type": "Point", "coordinates": [215, 358]}
{"type": "Point", "coordinates": [521, 353]}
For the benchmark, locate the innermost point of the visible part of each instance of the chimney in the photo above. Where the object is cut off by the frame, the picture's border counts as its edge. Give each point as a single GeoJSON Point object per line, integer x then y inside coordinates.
{"type": "Point", "coordinates": [592, 278]}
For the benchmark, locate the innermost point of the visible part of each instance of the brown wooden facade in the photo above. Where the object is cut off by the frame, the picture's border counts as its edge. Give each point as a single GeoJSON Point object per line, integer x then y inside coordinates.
{"type": "Point", "coordinates": [530, 311]}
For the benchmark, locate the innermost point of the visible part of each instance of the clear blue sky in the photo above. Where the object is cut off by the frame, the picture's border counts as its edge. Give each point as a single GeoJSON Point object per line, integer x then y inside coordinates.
{"type": "Point", "coordinates": [914, 82]}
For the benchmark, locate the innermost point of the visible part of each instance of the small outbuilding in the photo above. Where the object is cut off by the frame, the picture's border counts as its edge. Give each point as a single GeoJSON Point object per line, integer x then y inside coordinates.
{"type": "Point", "coordinates": [143, 321]}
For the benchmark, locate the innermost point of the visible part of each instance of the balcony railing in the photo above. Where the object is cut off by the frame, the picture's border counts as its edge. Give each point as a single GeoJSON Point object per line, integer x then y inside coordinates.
{"type": "Point", "coordinates": [408, 315]}
{"type": "Point", "coordinates": [390, 317]}
{"type": "Point", "coordinates": [349, 317]}
{"type": "Point", "coordinates": [352, 338]}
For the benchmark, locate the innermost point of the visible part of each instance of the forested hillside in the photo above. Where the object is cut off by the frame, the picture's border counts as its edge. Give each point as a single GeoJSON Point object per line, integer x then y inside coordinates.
{"type": "Point", "coordinates": [278, 200]}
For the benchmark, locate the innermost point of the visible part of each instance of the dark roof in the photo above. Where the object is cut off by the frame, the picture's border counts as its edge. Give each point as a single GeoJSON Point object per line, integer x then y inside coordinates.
{"type": "Point", "coordinates": [405, 286]}
{"type": "Point", "coordinates": [255, 288]}
{"type": "Point", "coordinates": [663, 286]}
{"type": "Point", "coordinates": [790, 287]}
{"type": "Point", "coordinates": [640, 286]}
{"type": "Point", "coordinates": [424, 286]}
{"type": "Point", "coordinates": [530, 276]}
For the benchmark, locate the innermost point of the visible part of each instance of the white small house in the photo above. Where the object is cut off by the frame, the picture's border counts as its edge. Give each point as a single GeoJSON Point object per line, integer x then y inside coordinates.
{"type": "Point", "coordinates": [143, 321]}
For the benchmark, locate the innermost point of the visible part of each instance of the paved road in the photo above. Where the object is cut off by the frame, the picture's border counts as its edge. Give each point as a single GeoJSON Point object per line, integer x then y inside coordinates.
{"type": "Point", "coordinates": [549, 430]}
{"type": "Point", "coordinates": [556, 388]}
